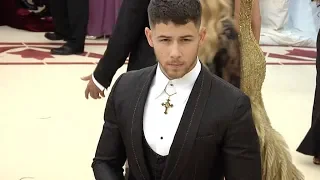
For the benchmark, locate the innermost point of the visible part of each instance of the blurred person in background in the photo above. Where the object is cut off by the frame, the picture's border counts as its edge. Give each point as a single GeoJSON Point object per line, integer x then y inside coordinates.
{"type": "Point", "coordinates": [275, 166]}
{"type": "Point", "coordinates": [70, 18]}
{"type": "Point", "coordinates": [29, 15]}
{"type": "Point", "coordinates": [311, 143]}
{"type": "Point", "coordinates": [102, 17]}
{"type": "Point", "coordinates": [127, 39]}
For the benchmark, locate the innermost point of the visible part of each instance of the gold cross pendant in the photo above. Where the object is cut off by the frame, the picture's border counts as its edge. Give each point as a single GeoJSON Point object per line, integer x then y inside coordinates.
{"type": "Point", "coordinates": [167, 105]}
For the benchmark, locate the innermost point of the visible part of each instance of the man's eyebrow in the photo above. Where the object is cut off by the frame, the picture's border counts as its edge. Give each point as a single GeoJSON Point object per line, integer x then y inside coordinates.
{"type": "Point", "coordinates": [163, 36]}
{"type": "Point", "coordinates": [187, 36]}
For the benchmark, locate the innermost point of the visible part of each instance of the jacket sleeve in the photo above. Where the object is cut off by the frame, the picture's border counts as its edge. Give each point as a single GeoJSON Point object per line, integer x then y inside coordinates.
{"type": "Point", "coordinates": [110, 154]}
{"type": "Point", "coordinates": [241, 149]}
{"type": "Point", "coordinates": [128, 28]}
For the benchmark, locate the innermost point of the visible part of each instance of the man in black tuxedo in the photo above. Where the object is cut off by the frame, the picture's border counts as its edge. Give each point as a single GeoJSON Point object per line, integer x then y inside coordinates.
{"type": "Point", "coordinates": [127, 39]}
{"type": "Point", "coordinates": [70, 18]}
{"type": "Point", "coordinates": [175, 120]}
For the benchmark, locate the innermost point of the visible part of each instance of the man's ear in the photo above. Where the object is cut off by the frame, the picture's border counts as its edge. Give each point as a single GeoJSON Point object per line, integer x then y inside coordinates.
{"type": "Point", "coordinates": [148, 34]}
{"type": "Point", "coordinates": [202, 35]}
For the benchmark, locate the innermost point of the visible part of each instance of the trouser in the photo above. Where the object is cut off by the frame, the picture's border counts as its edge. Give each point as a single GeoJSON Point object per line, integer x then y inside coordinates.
{"type": "Point", "coordinates": [316, 105]}
{"type": "Point", "coordinates": [70, 18]}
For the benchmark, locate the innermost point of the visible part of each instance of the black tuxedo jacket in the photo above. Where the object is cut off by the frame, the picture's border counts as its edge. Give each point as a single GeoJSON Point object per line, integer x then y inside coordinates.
{"type": "Point", "coordinates": [128, 37]}
{"type": "Point", "coordinates": [216, 137]}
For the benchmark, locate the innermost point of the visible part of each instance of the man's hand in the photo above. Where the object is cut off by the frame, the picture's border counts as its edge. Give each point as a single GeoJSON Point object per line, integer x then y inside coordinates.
{"type": "Point", "coordinates": [92, 89]}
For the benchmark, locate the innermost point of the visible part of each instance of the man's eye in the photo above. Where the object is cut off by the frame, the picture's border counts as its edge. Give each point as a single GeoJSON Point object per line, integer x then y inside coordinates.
{"type": "Point", "coordinates": [186, 40]}
{"type": "Point", "coordinates": [164, 40]}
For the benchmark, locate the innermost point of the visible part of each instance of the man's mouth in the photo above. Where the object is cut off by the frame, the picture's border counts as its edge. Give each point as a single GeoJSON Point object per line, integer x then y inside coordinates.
{"type": "Point", "coordinates": [175, 64]}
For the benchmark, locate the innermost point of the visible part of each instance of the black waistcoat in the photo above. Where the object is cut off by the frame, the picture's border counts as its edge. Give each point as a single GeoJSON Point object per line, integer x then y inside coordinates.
{"type": "Point", "coordinates": [155, 162]}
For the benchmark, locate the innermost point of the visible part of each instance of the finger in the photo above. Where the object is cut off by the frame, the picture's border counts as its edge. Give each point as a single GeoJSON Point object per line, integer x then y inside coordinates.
{"type": "Point", "coordinates": [86, 93]}
{"type": "Point", "coordinates": [86, 78]}
{"type": "Point", "coordinates": [95, 94]}
{"type": "Point", "coordinates": [102, 93]}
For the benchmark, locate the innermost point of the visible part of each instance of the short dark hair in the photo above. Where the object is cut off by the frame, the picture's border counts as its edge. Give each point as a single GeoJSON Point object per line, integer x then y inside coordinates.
{"type": "Point", "coordinates": [179, 12]}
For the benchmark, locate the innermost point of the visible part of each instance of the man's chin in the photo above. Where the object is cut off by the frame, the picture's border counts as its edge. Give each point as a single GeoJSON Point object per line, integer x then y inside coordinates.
{"type": "Point", "coordinates": [174, 75]}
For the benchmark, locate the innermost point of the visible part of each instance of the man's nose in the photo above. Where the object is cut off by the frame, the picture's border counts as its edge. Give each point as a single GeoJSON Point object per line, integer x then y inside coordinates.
{"type": "Point", "coordinates": [175, 51]}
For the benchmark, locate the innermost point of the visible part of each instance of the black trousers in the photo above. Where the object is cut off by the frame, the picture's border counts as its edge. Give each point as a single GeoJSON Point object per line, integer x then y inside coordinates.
{"type": "Point", "coordinates": [316, 104]}
{"type": "Point", "coordinates": [311, 143]}
{"type": "Point", "coordinates": [70, 18]}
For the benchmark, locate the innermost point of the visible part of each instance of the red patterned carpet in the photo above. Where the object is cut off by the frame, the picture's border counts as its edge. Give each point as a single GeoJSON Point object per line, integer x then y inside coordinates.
{"type": "Point", "coordinates": [33, 53]}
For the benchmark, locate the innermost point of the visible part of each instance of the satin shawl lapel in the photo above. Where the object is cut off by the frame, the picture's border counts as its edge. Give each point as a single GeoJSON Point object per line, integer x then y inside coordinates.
{"type": "Point", "coordinates": [139, 164]}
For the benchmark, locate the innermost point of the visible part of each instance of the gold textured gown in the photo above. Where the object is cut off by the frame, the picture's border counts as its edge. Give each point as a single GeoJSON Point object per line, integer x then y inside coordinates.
{"type": "Point", "coordinates": [276, 159]}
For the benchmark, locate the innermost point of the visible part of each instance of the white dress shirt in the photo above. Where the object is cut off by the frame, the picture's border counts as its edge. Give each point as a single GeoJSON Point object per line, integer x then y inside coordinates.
{"type": "Point", "coordinates": [159, 128]}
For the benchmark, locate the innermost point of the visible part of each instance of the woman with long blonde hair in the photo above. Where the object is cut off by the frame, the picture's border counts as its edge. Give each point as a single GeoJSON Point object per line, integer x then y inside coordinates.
{"type": "Point", "coordinates": [220, 51]}
{"type": "Point", "coordinates": [276, 159]}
